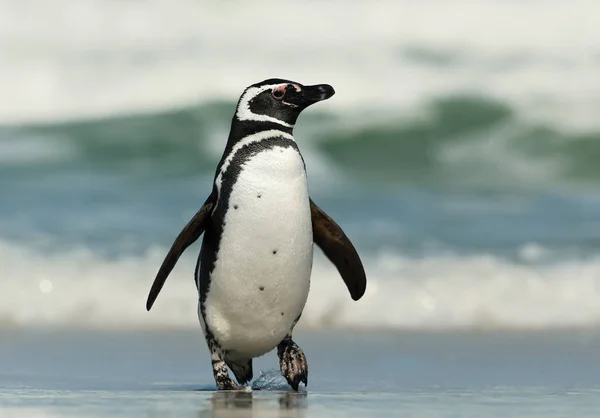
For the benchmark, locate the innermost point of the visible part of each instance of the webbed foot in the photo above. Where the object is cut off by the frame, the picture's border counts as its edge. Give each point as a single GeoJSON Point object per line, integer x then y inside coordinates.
{"type": "Point", "coordinates": [222, 378]}
{"type": "Point", "coordinates": [292, 362]}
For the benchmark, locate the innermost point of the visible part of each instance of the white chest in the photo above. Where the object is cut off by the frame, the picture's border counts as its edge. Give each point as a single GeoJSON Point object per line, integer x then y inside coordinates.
{"type": "Point", "coordinates": [261, 278]}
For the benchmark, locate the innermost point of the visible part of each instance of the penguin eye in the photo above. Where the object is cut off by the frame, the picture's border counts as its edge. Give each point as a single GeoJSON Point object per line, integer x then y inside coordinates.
{"type": "Point", "coordinates": [278, 92]}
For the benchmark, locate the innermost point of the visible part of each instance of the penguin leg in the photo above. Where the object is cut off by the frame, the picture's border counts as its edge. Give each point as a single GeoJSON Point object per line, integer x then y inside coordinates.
{"type": "Point", "coordinates": [292, 362]}
{"type": "Point", "coordinates": [242, 370]}
{"type": "Point", "coordinates": [220, 372]}
{"type": "Point", "coordinates": [222, 378]}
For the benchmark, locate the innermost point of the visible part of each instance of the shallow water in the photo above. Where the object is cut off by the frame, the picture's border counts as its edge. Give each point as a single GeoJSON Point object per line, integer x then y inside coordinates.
{"type": "Point", "coordinates": [78, 373]}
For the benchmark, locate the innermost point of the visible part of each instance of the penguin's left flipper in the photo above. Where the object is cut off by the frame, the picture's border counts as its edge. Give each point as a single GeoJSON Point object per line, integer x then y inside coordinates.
{"type": "Point", "coordinates": [190, 233]}
{"type": "Point", "coordinates": [339, 250]}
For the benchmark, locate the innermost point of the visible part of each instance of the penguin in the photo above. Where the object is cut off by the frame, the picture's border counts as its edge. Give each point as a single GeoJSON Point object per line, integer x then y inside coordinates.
{"type": "Point", "coordinates": [260, 226]}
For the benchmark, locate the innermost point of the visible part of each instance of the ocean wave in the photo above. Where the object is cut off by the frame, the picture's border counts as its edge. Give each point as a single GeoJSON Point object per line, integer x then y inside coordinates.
{"type": "Point", "coordinates": [478, 292]}
{"type": "Point", "coordinates": [17, 149]}
{"type": "Point", "coordinates": [465, 141]}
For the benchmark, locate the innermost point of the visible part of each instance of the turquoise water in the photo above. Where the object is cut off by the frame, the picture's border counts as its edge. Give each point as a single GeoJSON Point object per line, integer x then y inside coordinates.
{"type": "Point", "coordinates": [463, 167]}
{"type": "Point", "coordinates": [461, 240]}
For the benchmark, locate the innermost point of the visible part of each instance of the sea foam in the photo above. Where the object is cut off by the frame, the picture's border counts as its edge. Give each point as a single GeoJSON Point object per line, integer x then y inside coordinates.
{"type": "Point", "coordinates": [395, 55]}
{"type": "Point", "coordinates": [81, 289]}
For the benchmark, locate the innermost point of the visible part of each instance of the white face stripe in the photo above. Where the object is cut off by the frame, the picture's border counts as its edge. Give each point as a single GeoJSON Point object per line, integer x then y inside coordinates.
{"type": "Point", "coordinates": [244, 112]}
{"type": "Point", "coordinates": [257, 137]}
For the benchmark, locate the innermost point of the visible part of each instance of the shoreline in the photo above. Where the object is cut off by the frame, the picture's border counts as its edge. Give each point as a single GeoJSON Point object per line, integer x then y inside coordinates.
{"type": "Point", "coordinates": [151, 373]}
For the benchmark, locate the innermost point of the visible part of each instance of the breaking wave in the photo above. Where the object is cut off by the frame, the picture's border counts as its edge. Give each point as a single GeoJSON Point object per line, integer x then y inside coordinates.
{"type": "Point", "coordinates": [460, 141]}
{"type": "Point", "coordinates": [482, 292]}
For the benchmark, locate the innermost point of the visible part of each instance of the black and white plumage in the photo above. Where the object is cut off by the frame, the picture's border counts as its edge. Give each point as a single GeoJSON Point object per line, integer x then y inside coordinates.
{"type": "Point", "coordinates": [259, 225]}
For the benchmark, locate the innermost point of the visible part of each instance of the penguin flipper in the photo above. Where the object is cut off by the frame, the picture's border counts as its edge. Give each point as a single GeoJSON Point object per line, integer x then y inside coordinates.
{"type": "Point", "coordinates": [190, 233]}
{"type": "Point", "coordinates": [339, 250]}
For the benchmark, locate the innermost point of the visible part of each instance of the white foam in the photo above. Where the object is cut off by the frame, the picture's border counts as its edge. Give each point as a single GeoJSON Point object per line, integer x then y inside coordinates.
{"type": "Point", "coordinates": [497, 159]}
{"type": "Point", "coordinates": [108, 57]}
{"type": "Point", "coordinates": [450, 292]}
{"type": "Point", "coordinates": [33, 149]}
{"type": "Point", "coordinates": [30, 412]}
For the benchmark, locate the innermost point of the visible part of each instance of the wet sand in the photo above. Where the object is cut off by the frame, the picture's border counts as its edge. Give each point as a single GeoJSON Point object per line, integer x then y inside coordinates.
{"type": "Point", "coordinates": [148, 374]}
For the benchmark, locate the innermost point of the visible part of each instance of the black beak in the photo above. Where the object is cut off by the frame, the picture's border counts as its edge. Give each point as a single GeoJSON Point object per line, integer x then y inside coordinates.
{"type": "Point", "coordinates": [315, 94]}
{"type": "Point", "coordinates": [309, 95]}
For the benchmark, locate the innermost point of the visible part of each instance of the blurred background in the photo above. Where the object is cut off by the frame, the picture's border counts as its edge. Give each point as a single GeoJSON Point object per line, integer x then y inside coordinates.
{"type": "Point", "coordinates": [460, 154]}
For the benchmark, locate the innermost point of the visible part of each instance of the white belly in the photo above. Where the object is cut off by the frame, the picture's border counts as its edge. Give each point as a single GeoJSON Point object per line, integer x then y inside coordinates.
{"type": "Point", "coordinates": [261, 278]}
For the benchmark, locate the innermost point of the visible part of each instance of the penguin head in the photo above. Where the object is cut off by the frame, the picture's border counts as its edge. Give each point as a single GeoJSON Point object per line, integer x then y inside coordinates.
{"type": "Point", "coordinates": [279, 101]}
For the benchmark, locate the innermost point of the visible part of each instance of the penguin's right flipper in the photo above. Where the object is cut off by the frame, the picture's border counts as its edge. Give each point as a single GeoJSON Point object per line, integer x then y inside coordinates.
{"type": "Point", "coordinates": [337, 247]}
{"type": "Point", "coordinates": [190, 233]}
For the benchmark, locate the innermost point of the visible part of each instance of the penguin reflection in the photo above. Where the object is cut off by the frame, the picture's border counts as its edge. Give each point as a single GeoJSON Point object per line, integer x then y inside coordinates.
{"type": "Point", "coordinates": [234, 404]}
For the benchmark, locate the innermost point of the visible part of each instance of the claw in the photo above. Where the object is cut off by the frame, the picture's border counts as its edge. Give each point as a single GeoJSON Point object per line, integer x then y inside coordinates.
{"type": "Point", "coordinates": [228, 385]}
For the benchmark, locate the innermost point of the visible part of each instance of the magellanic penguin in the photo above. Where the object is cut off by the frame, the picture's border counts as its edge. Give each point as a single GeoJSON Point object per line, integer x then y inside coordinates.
{"type": "Point", "coordinates": [259, 225]}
